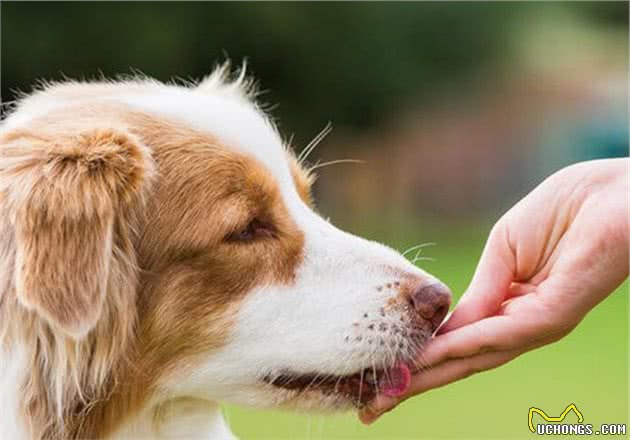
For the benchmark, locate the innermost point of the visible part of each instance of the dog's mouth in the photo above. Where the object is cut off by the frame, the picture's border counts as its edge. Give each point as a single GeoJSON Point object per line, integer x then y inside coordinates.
{"type": "Point", "coordinates": [359, 388]}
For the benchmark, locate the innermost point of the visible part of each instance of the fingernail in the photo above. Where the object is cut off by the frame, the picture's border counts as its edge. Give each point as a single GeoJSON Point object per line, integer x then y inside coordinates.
{"type": "Point", "coordinates": [376, 408]}
{"type": "Point", "coordinates": [367, 417]}
{"type": "Point", "coordinates": [370, 415]}
{"type": "Point", "coordinates": [380, 406]}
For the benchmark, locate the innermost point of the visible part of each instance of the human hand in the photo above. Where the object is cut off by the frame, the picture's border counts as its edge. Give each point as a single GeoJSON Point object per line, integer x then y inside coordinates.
{"type": "Point", "coordinates": [547, 262]}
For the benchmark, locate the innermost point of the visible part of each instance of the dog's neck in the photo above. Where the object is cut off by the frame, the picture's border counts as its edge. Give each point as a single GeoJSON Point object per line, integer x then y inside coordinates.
{"type": "Point", "coordinates": [11, 375]}
{"type": "Point", "coordinates": [182, 417]}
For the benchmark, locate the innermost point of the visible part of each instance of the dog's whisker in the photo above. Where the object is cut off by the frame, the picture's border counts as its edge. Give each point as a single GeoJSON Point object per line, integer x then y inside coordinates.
{"type": "Point", "coordinates": [375, 376]}
{"type": "Point", "coordinates": [310, 385]}
{"type": "Point", "coordinates": [418, 246]}
{"type": "Point", "coordinates": [360, 388]}
{"type": "Point", "coordinates": [336, 387]}
{"type": "Point", "coordinates": [391, 352]}
{"type": "Point", "coordinates": [288, 144]}
{"type": "Point", "coordinates": [419, 258]}
{"type": "Point", "coordinates": [314, 143]}
{"type": "Point", "coordinates": [418, 252]}
{"type": "Point", "coordinates": [333, 162]}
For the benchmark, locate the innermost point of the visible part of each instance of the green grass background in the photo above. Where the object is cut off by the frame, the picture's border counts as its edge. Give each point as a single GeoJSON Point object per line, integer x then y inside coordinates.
{"type": "Point", "coordinates": [589, 367]}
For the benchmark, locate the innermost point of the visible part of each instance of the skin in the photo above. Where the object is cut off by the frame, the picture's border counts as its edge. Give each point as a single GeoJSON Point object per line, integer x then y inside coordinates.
{"type": "Point", "coordinates": [548, 261]}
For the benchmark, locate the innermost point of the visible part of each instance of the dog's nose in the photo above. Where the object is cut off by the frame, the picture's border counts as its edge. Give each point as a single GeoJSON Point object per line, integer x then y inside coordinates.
{"type": "Point", "coordinates": [431, 302]}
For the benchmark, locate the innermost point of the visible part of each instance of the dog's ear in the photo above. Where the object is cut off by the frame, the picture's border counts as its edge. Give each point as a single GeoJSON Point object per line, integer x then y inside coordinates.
{"type": "Point", "coordinates": [67, 197]}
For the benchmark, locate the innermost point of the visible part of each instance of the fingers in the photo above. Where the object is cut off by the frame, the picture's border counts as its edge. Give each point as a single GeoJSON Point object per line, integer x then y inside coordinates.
{"type": "Point", "coordinates": [496, 333]}
{"type": "Point", "coordinates": [475, 338]}
{"type": "Point", "coordinates": [466, 341]}
{"type": "Point", "coordinates": [519, 289]}
{"type": "Point", "coordinates": [490, 284]}
{"type": "Point", "coordinates": [441, 375]}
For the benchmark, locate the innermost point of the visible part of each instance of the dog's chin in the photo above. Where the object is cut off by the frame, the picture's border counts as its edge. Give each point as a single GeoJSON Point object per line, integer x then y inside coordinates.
{"type": "Point", "coordinates": [339, 392]}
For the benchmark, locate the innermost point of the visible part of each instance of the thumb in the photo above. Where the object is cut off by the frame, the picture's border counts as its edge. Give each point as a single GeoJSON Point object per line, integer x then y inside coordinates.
{"type": "Point", "coordinates": [490, 284]}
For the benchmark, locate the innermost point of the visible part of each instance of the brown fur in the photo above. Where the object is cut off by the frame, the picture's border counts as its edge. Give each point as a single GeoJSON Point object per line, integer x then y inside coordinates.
{"type": "Point", "coordinates": [303, 179]}
{"type": "Point", "coordinates": [113, 293]}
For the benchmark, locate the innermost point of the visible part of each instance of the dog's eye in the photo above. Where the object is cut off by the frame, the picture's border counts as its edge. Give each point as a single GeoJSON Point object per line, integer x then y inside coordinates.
{"type": "Point", "coordinates": [255, 229]}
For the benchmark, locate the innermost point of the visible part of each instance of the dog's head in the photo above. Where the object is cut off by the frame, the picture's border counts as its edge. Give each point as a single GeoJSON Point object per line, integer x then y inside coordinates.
{"type": "Point", "coordinates": [167, 235]}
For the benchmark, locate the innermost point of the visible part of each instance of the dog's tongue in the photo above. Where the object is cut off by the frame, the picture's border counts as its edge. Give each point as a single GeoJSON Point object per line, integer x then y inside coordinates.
{"type": "Point", "coordinates": [395, 382]}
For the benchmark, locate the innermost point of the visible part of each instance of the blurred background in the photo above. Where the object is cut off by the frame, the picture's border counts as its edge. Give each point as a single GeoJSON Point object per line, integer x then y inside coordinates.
{"type": "Point", "coordinates": [457, 109]}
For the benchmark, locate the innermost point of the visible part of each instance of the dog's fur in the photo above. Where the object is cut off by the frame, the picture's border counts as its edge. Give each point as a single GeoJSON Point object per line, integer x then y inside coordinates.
{"type": "Point", "coordinates": [159, 253]}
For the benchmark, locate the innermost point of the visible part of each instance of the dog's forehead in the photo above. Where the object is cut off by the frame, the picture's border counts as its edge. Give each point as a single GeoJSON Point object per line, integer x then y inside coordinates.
{"type": "Point", "coordinates": [222, 110]}
{"type": "Point", "coordinates": [230, 118]}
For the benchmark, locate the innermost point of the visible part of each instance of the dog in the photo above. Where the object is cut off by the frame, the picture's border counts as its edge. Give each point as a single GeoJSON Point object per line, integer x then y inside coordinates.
{"type": "Point", "coordinates": [160, 253]}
